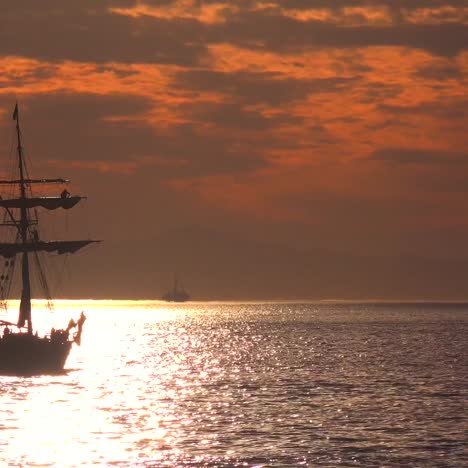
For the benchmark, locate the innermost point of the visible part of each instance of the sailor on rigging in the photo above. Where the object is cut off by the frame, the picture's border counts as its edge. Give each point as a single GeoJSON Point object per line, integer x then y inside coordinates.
{"type": "Point", "coordinates": [65, 194]}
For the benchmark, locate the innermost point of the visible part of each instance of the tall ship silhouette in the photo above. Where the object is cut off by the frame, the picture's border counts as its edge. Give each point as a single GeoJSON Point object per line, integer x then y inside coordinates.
{"type": "Point", "coordinates": [23, 351]}
{"type": "Point", "coordinates": [177, 293]}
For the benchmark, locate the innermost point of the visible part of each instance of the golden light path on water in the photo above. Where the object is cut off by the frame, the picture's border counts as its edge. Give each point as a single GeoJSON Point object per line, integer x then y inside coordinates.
{"type": "Point", "coordinates": [63, 420]}
{"type": "Point", "coordinates": [264, 385]}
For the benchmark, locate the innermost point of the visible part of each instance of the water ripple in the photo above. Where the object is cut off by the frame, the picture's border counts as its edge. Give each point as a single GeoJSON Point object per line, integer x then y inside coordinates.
{"type": "Point", "coordinates": [249, 385]}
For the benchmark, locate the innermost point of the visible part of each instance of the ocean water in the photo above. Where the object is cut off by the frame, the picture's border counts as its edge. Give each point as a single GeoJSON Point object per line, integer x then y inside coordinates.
{"type": "Point", "coordinates": [251, 385]}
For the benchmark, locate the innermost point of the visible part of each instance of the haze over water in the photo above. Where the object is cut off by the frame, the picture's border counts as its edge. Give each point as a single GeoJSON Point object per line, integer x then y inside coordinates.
{"type": "Point", "coordinates": [231, 384]}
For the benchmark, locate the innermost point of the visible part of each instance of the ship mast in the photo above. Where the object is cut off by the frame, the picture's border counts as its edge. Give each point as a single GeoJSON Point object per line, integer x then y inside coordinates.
{"type": "Point", "coordinates": [28, 241]}
{"type": "Point", "coordinates": [25, 304]}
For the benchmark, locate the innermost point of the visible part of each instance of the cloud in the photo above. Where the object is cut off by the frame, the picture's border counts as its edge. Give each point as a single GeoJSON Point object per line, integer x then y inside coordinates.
{"type": "Point", "coordinates": [420, 156]}
{"type": "Point", "coordinates": [88, 32]}
{"type": "Point", "coordinates": [258, 30]}
{"type": "Point", "coordinates": [93, 32]}
{"type": "Point", "coordinates": [234, 117]}
{"type": "Point", "coordinates": [259, 87]}
{"type": "Point", "coordinates": [440, 71]}
{"type": "Point", "coordinates": [81, 135]}
{"type": "Point", "coordinates": [452, 108]}
{"type": "Point", "coordinates": [246, 86]}
{"type": "Point", "coordinates": [436, 177]}
{"type": "Point", "coordinates": [400, 4]}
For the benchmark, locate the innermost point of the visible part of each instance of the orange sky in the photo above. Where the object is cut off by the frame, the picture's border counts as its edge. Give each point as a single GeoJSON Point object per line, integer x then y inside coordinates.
{"type": "Point", "coordinates": [335, 130]}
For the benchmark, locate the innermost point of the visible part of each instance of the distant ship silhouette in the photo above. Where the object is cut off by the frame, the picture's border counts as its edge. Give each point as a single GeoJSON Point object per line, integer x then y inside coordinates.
{"type": "Point", "coordinates": [177, 293]}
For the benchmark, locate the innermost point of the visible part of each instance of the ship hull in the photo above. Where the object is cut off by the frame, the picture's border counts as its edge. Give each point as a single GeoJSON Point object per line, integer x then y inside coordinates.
{"type": "Point", "coordinates": [175, 299]}
{"type": "Point", "coordinates": [25, 354]}
{"type": "Point", "coordinates": [176, 296]}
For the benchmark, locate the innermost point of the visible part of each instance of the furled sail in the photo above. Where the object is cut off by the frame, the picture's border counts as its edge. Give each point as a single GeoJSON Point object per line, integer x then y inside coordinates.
{"type": "Point", "coordinates": [34, 181]}
{"type": "Point", "coordinates": [61, 247]}
{"type": "Point", "coordinates": [50, 203]}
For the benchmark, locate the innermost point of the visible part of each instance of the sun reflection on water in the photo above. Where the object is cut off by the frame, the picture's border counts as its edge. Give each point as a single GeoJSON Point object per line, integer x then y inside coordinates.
{"type": "Point", "coordinates": [79, 418]}
{"type": "Point", "coordinates": [249, 385]}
